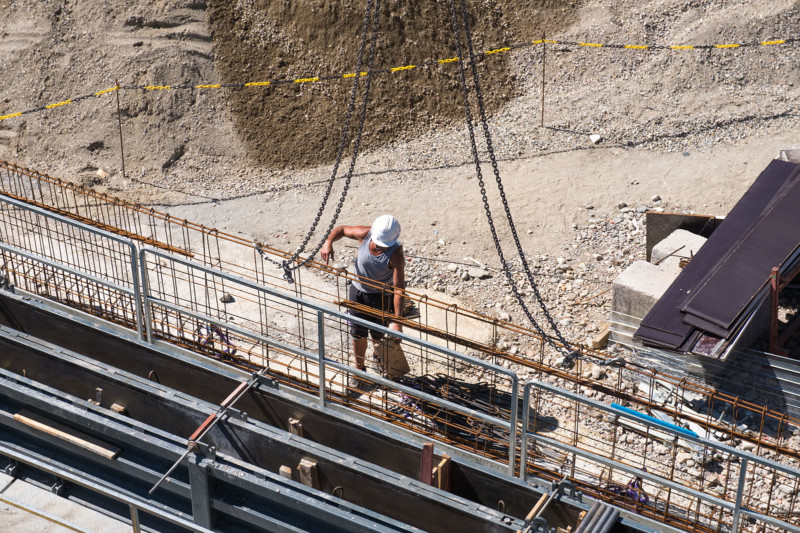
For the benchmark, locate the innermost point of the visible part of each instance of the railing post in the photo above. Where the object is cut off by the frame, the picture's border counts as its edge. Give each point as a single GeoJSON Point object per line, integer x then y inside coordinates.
{"type": "Point", "coordinates": [321, 353]}
{"type": "Point", "coordinates": [134, 519]}
{"type": "Point", "coordinates": [523, 450]}
{"type": "Point", "coordinates": [512, 435]}
{"type": "Point", "coordinates": [739, 495]}
{"type": "Point", "coordinates": [137, 293]}
{"type": "Point", "coordinates": [146, 296]}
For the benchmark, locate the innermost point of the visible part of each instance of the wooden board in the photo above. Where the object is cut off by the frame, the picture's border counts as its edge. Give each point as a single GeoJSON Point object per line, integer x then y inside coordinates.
{"type": "Point", "coordinates": [66, 433]}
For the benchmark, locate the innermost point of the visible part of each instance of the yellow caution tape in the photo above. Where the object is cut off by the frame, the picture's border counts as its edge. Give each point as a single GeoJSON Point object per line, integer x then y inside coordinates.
{"type": "Point", "coordinates": [106, 91]}
{"type": "Point", "coordinates": [439, 61]}
{"type": "Point", "coordinates": [59, 104]}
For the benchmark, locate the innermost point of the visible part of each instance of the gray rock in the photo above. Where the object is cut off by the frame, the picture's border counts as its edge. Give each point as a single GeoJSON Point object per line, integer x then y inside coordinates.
{"type": "Point", "coordinates": [655, 198]}
{"type": "Point", "coordinates": [622, 205]}
{"type": "Point", "coordinates": [452, 267]}
{"type": "Point", "coordinates": [227, 298]}
{"type": "Point", "coordinates": [478, 273]}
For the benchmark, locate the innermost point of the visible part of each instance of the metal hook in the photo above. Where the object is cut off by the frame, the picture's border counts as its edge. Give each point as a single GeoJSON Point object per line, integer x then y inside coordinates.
{"type": "Point", "coordinates": [340, 489]}
{"type": "Point", "coordinates": [287, 272]}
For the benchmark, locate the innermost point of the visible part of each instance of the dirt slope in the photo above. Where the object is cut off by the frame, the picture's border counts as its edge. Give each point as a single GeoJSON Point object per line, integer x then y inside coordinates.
{"type": "Point", "coordinates": [299, 124]}
{"type": "Point", "coordinates": [693, 126]}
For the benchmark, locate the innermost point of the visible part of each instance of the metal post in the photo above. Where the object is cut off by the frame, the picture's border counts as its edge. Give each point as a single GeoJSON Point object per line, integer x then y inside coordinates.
{"type": "Point", "coordinates": [137, 293]}
{"type": "Point", "coordinates": [134, 519]}
{"type": "Point", "coordinates": [775, 291]}
{"type": "Point", "coordinates": [526, 414]}
{"type": "Point", "coordinates": [119, 120]}
{"type": "Point", "coordinates": [200, 492]}
{"type": "Point", "coordinates": [512, 436]}
{"type": "Point", "coordinates": [739, 495]}
{"type": "Point", "coordinates": [321, 353]}
{"type": "Point", "coordinates": [146, 296]}
{"type": "Point", "coordinates": [544, 56]}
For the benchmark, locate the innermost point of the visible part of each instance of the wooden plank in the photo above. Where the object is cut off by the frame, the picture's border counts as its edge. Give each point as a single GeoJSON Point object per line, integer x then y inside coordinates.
{"type": "Point", "coordinates": [295, 427]}
{"type": "Point", "coordinates": [285, 471]}
{"type": "Point", "coordinates": [308, 473]}
{"type": "Point", "coordinates": [426, 464]}
{"type": "Point", "coordinates": [441, 473]}
{"type": "Point", "coordinates": [56, 429]}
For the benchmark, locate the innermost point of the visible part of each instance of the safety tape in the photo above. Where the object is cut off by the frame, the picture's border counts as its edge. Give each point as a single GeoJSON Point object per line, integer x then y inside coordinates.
{"type": "Point", "coordinates": [491, 52]}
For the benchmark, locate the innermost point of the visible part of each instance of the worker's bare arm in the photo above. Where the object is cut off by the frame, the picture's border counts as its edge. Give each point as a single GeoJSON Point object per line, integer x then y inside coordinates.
{"type": "Point", "coordinates": [358, 233]}
{"type": "Point", "coordinates": [398, 264]}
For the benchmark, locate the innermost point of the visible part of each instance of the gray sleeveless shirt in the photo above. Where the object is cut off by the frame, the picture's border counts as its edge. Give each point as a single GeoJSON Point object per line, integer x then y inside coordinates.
{"type": "Point", "coordinates": [375, 267]}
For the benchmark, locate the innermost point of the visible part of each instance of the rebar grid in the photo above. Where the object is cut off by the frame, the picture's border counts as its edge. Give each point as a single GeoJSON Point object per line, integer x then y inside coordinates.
{"type": "Point", "coordinates": [224, 319]}
{"type": "Point", "coordinates": [667, 456]}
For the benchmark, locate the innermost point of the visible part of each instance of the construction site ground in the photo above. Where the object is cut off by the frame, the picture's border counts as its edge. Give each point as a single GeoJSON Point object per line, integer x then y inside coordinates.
{"type": "Point", "coordinates": [681, 130]}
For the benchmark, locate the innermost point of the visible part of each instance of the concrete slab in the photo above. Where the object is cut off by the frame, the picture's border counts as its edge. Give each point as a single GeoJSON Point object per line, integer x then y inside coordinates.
{"type": "Point", "coordinates": [680, 243]}
{"type": "Point", "coordinates": [639, 287]}
{"type": "Point", "coordinates": [47, 512]}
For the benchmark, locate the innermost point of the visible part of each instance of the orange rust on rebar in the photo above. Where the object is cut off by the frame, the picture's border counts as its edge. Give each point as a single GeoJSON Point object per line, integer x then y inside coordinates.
{"type": "Point", "coordinates": [103, 226]}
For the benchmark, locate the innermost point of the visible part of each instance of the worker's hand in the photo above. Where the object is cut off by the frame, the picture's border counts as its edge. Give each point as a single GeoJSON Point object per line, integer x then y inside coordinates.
{"type": "Point", "coordinates": [326, 252]}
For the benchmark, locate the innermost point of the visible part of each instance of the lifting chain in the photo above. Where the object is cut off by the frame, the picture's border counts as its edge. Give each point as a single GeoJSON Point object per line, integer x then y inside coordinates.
{"type": "Point", "coordinates": [493, 159]}
{"type": "Point", "coordinates": [287, 264]}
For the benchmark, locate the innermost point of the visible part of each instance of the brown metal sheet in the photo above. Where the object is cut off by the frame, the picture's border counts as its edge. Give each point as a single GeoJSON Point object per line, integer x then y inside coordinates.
{"type": "Point", "coordinates": [664, 325]}
{"type": "Point", "coordinates": [769, 243]}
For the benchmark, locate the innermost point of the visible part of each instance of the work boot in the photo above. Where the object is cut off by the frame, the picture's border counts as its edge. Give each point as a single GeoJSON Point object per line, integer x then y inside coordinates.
{"type": "Point", "coordinates": [357, 386]}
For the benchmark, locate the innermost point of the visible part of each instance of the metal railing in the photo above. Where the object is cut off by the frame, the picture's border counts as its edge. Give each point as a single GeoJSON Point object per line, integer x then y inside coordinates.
{"type": "Point", "coordinates": [647, 475]}
{"type": "Point", "coordinates": [239, 314]}
{"type": "Point", "coordinates": [308, 361]}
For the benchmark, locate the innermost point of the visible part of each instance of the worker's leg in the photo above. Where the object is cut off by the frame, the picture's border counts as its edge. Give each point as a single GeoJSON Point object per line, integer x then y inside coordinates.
{"type": "Point", "coordinates": [360, 350]}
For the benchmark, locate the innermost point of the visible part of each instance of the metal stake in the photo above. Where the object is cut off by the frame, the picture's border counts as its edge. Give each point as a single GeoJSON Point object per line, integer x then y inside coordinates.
{"type": "Point", "coordinates": [544, 56]}
{"type": "Point", "coordinates": [119, 120]}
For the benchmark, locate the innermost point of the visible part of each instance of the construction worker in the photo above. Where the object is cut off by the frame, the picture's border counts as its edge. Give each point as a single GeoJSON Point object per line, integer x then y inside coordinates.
{"type": "Point", "coordinates": [380, 259]}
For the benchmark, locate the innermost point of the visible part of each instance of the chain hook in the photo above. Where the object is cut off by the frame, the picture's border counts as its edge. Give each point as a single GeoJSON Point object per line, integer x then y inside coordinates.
{"type": "Point", "coordinates": [287, 272]}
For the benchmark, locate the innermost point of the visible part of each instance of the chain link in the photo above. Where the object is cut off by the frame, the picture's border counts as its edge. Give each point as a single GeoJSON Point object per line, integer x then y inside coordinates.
{"type": "Point", "coordinates": [487, 209]}
{"type": "Point", "coordinates": [287, 266]}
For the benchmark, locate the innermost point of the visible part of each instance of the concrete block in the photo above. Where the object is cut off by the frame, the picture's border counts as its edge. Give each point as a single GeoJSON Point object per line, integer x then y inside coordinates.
{"type": "Point", "coordinates": [680, 243]}
{"type": "Point", "coordinates": [638, 288]}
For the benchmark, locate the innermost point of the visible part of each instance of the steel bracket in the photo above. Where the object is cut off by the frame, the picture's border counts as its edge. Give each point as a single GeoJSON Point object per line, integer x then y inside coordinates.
{"type": "Point", "coordinates": [561, 487]}
{"type": "Point", "coordinates": [13, 469]}
{"type": "Point", "coordinates": [235, 413]}
{"type": "Point", "coordinates": [538, 525]}
{"type": "Point", "coordinates": [206, 450]}
{"type": "Point", "coordinates": [59, 487]}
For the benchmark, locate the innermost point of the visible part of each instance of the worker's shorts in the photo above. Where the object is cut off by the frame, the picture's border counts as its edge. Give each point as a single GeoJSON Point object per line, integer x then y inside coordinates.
{"type": "Point", "coordinates": [376, 300]}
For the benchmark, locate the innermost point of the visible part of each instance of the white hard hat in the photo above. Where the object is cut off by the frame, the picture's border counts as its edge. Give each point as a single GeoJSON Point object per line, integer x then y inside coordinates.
{"type": "Point", "coordinates": [385, 231]}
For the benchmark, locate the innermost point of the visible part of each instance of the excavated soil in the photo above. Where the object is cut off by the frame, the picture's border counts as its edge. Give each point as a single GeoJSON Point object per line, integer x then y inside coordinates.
{"type": "Point", "coordinates": [295, 124]}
